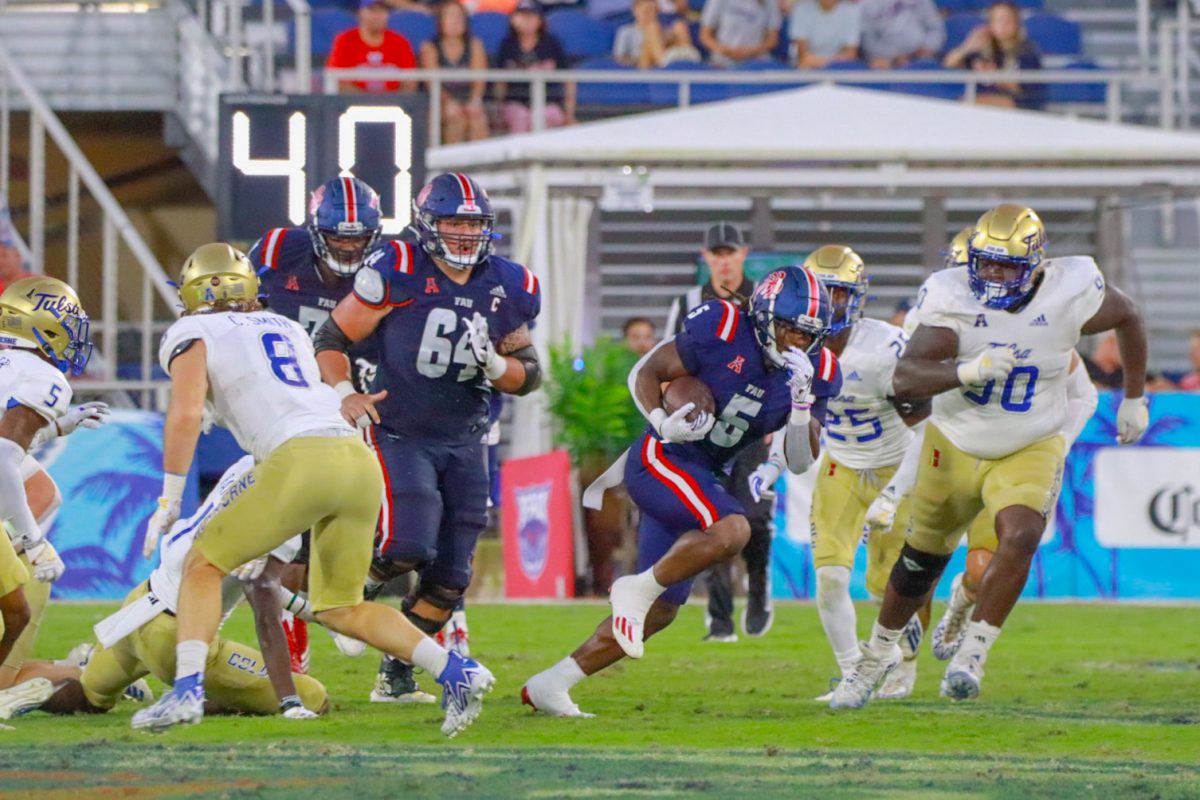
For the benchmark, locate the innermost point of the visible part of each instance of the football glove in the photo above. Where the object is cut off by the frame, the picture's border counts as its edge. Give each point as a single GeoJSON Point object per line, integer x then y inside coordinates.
{"type": "Point", "coordinates": [47, 565]}
{"type": "Point", "coordinates": [800, 369]}
{"type": "Point", "coordinates": [676, 429]}
{"type": "Point", "coordinates": [1133, 417]}
{"type": "Point", "coordinates": [483, 351]}
{"type": "Point", "coordinates": [167, 513]}
{"type": "Point", "coordinates": [881, 514]}
{"type": "Point", "coordinates": [250, 570]}
{"type": "Point", "coordinates": [88, 415]}
{"type": "Point", "coordinates": [993, 364]}
{"type": "Point", "coordinates": [762, 481]}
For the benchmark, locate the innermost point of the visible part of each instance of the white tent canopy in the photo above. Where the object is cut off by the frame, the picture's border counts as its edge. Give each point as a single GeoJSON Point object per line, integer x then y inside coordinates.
{"type": "Point", "coordinates": [828, 139]}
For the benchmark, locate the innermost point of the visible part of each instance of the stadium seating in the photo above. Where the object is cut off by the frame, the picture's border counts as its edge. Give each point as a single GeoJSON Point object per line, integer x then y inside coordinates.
{"type": "Point", "coordinates": [852, 66]}
{"type": "Point", "coordinates": [762, 65]}
{"type": "Point", "coordinates": [491, 27]}
{"type": "Point", "coordinates": [667, 94]}
{"type": "Point", "coordinates": [946, 91]}
{"type": "Point", "coordinates": [581, 36]}
{"type": "Point", "coordinates": [959, 6]}
{"type": "Point", "coordinates": [611, 94]}
{"type": "Point", "coordinates": [327, 23]}
{"type": "Point", "coordinates": [1054, 35]}
{"type": "Point", "coordinates": [1076, 92]}
{"type": "Point", "coordinates": [414, 26]}
{"type": "Point", "coordinates": [958, 26]}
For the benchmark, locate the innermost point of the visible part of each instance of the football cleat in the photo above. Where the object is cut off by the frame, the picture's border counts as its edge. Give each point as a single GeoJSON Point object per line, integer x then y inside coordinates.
{"type": "Point", "coordinates": [556, 703]}
{"type": "Point", "coordinates": [139, 691]}
{"type": "Point", "coordinates": [296, 631]}
{"type": "Point", "coordinates": [347, 646]}
{"type": "Point", "coordinates": [759, 614]}
{"type": "Point", "coordinates": [454, 636]}
{"type": "Point", "coordinates": [901, 682]}
{"type": "Point", "coordinates": [183, 705]}
{"type": "Point", "coordinates": [24, 697]}
{"type": "Point", "coordinates": [628, 616]}
{"type": "Point", "coordinates": [948, 635]}
{"type": "Point", "coordinates": [963, 677]}
{"type": "Point", "coordinates": [910, 638]}
{"type": "Point", "coordinates": [395, 684]}
{"type": "Point", "coordinates": [78, 656]}
{"type": "Point", "coordinates": [720, 638]}
{"type": "Point", "coordinates": [825, 698]}
{"type": "Point", "coordinates": [868, 673]}
{"type": "Point", "coordinates": [464, 682]}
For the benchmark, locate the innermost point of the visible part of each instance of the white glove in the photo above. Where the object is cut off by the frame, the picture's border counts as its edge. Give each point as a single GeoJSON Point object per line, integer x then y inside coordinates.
{"type": "Point", "coordinates": [1133, 417]}
{"type": "Point", "coordinates": [250, 570]}
{"type": "Point", "coordinates": [800, 369]}
{"type": "Point", "coordinates": [676, 429]}
{"type": "Point", "coordinates": [88, 415]}
{"type": "Point", "coordinates": [484, 352]}
{"type": "Point", "coordinates": [762, 481]}
{"type": "Point", "coordinates": [991, 365]}
{"type": "Point", "coordinates": [47, 566]}
{"type": "Point", "coordinates": [299, 712]}
{"type": "Point", "coordinates": [167, 513]}
{"type": "Point", "coordinates": [881, 514]}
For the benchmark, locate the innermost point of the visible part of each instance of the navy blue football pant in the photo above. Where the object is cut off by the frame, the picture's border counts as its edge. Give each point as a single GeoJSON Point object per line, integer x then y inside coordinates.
{"type": "Point", "coordinates": [435, 505]}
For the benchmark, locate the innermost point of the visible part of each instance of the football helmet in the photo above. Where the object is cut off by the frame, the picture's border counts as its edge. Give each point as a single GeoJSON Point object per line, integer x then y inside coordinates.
{"type": "Point", "coordinates": [956, 251]}
{"type": "Point", "coordinates": [454, 196]}
{"type": "Point", "coordinates": [345, 223]}
{"type": "Point", "coordinates": [793, 297]}
{"type": "Point", "coordinates": [43, 314]}
{"type": "Point", "coordinates": [839, 267]}
{"type": "Point", "coordinates": [1009, 234]}
{"type": "Point", "coordinates": [217, 277]}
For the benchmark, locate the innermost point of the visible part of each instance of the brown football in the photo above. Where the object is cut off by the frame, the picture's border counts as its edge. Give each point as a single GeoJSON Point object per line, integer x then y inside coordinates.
{"type": "Point", "coordinates": [688, 389]}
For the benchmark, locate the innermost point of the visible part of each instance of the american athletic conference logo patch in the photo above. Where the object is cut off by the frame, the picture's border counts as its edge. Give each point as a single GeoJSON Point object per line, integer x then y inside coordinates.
{"type": "Point", "coordinates": [533, 528]}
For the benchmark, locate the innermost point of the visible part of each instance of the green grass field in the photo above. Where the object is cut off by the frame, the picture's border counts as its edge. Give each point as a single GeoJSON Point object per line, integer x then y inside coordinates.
{"type": "Point", "coordinates": [1079, 701]}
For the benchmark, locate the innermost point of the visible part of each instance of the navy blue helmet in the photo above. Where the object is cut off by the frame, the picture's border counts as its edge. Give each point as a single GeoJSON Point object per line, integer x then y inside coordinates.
{"type": "Point", "coordinates": [795, 298]}
{"type": "Point", "coordinates": [457, 198]}
{"type": "Point", "coordinates": [345, 223]}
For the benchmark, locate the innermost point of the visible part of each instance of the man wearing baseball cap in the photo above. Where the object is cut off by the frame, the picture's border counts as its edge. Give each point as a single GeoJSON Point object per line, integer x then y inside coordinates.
{"type": "Point", "coordinates": [371, 44]}
{"type": "Point", "coordinates": [725, 252]}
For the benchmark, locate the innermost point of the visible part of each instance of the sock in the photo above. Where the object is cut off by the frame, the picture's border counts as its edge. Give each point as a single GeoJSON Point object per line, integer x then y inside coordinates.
{"type": "Point", "coordinates": [372, 583]}
{"type": "Point", "coordinates": [564, 675]}
{"type": "Point", "coordinates": [836, 610]}
{"type": "Point", "coordinates": [429, 657]}
{"type": "Point", "coordinates": [296, 603]}
{"type": "Point", "coordinates": [884, 639]}
{"type": "Point", "coordinates": [189, 658]}
{"type": "Point", "coordinates": [980, 637]}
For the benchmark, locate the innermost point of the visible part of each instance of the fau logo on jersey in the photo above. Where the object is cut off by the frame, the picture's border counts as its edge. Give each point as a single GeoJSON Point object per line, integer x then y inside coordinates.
{"type": "Point", "coordinates": [533, 528]}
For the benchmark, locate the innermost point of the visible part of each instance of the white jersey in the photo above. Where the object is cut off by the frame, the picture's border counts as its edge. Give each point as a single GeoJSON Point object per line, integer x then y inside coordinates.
{"type": "Point", "coordinates": [264, 384]}
{"type": "Point", "coordinates": [27, 380]}
{"type": "Point", "coordinates": [167, 578]}
{"type": "Point", "coordinates": [1002, 417]}
{"type": "Point", "coordinates": [863, 430]}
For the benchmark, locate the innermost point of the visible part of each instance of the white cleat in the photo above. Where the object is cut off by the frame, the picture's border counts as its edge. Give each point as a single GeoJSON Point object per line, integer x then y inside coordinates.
{"type": "Point", "coordinates": [78, 656]}
{"type": "Point", "coordinates": [347, 646]}
{"type": "Point", "coordinates": [901, 682]}
{"type": "Point", "coordinates": [556, 703]}
{"type": "Point", "coordinates": [455, 636]}
{"type": "Point", "coordinates": [24, 697]}
{"type": "Point", "coordinates": [963, 677]}
{"type": "Point", "coordinates": [628, 616]}
{"type": "Point", "coordinates": [183, 705]}
{"type": "Point", "coordinates": [139, 692]}
{"type": "Point", "coordinates": [464, 683]}
{"type": "Point", "coordinates": [868, 673]}
{"type": "Point", "coordinates": [948, 635]}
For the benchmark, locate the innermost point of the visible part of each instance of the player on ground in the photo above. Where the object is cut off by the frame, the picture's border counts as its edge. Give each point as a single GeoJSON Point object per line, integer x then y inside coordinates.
{"type": "Point", "coordinates": [994, 348]}
{"type": "Point", "coordinates": [866, 435]}
{"type": "Point", "coordinates": [451, 321]}
{"type": "Point", "coordinates": [313, 473]}
{"type": "Point", "coordinates": [44, 333]}
{"type": "Point", "coordinates": [304, 272]}
{"type": "Point", "coordinates": [767, 371]}
{"type": "Point", "coordinates": [139, 639]}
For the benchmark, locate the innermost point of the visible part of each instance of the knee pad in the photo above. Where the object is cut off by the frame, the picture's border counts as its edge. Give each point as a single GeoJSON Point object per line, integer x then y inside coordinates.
{"type": "Point", "coordinates": [446, 598]}
{"type": "Point", "coordinates": [833, 584]}
{"type": "Point", "coordinates": [429, 627]}
{"type": "Point", "coordinates": [386, 569]}
{"type": "Point", "coordinates": [916, 572]}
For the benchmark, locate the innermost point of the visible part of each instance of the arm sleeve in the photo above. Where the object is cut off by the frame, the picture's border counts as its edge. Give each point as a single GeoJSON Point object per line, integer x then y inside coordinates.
{"type": "Point", "coordinates": [797, 449]}
{"type": "Point", "coordinates": [14, 506]}
{"type": "Point", "coordinates": [1081, 403]}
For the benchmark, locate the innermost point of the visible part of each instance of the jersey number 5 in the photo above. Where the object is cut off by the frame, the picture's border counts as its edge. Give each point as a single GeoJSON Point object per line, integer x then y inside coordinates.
{"type": "Point", "coordinates": [281, 353]}
{"type": "Point", "coordinates": [734, 420]}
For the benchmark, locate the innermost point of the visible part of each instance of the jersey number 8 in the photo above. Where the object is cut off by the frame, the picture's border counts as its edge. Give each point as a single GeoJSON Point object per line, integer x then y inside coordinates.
{"type": "Point", "coordinates": [281, 353]}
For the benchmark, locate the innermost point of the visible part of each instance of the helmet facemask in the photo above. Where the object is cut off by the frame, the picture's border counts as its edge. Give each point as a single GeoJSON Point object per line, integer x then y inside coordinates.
{"type": "Point", "coordinates": [458, 250]}
{"type": "Point", "coordinates": [1002, 295]}
{"type": "Point", "coordinates": [844, 315]}
{"type": "Point", "coordinates": [344, 250]}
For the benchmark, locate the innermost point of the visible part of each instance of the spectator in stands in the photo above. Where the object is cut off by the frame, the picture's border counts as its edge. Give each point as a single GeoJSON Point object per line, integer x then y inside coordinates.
{"type": "Point", "coordinates": [1191, 381]}
{"type": "Point", "coordinates": [736, 31]}
{"type": "Point", "coordinates": [640, 335]}
{"type": "Point", "coordinates": [453, 48]}
{"type": "Point", "coordinates": [530, 46]}
{"type": "Point", "coordinates": [371, 44]}
{"type": "Point", "coordinates": [894, 32]}
{"type": "Point", "coordinates": [644, 44]}
{"type": "Point", "coordinates": [823, 31]}
{"type": "Point", "coordinates": [900, 312]}
{"type": "Point", "coordinates": [1000, 44]}
{"type": "Point", "coordinates": [12, 268]}
{"type": "Point", "coordinates": [1104, 364]}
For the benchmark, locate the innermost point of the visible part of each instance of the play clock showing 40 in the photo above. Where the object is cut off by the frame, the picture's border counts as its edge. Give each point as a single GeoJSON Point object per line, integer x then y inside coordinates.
{"type": "Point", "coordinates": [275, 149]}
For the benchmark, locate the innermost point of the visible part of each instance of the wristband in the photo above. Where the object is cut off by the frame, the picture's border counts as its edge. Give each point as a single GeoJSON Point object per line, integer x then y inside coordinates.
{"type": "Point", "coordinates": [800, 416]}
{"type": "Point", "coordinates": [344, 389]}
{"type": "Point", "coordinates": [173, 485]}
{"type": "Point", "coordinates": [496, 368]}
{"type": "Point", "coordinates": [657, 417]}
{"type": "Point", "coordinates": [291, 701]}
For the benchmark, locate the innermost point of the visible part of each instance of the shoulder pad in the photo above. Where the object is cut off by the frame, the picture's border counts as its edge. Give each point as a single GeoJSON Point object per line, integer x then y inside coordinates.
{"type": "Point", "coordinates": [278, 246]}
{"type": "Point", "coordinates": [370, 288]}
{"type": "Point", "coordinates": [715, 318]}
{"type": "Point", "coordinates": [827, 365]}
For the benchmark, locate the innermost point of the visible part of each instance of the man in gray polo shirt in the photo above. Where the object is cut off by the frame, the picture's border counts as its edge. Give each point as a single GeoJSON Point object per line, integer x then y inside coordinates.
{"type": "Point", "coordinates": [735, 31]}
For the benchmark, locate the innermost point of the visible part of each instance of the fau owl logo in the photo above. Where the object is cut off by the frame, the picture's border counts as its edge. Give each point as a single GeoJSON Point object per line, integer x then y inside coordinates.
{"type": "Point", "coordinates": [314, 202]}
{"type": "Point", "coordinates": [771, 285]}
{"type": "Point", "coordinates": [533, 528]}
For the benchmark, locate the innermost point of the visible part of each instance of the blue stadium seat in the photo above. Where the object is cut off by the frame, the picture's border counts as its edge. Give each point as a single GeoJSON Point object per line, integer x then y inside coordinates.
{"type": "Point", "coordinates": [415, 26]}
{"type": "Point", "coordinates": [1054, 35]}
{"type": "Point", "coordinates": [491, 27]}
{"type": "Point", "coordinates": [851, 66]}
{"type": "Point", "coordinates": [1031, 5]}
{"type": "Point", "coordinates": [667, 94]}
{"type": "Point", "coordinates": [958, 26]}
{"type": "Point", "coordinates": [783, 46]}
{"type": "Point", "coordinates": [946, 91]}
{"type": "Point", "coordinates": [1076, 92]}
{"type": "Point", "coordinates": [611, 94]}
{"type": "Point", "coordinates": [957, 6]}
{"type": "Point", "coordinates": [762, 65]}
{"type": "Point", "coordinates": [581, 36]}
{"type": "Point", "coordinates": [327, 23]}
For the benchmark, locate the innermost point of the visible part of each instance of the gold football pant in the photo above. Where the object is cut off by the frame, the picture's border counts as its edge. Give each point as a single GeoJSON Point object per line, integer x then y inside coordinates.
{"type": "Point", "coordinates": [37, 595]}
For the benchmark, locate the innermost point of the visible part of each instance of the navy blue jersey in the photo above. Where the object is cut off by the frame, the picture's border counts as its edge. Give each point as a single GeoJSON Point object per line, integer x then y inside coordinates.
{"type": "Point", "coordinates": [296, 289]}
{"type": "Point", "coordinates": [435, 390]}
{"type": "Point", "coordinates": [718, 346]}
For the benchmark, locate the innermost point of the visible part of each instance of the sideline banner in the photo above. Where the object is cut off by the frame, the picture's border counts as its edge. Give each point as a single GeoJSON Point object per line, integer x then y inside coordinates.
{"type": "Point", "coordinates": [536, 527]}
{"type": "Point", "coordinates": [1127, 524]}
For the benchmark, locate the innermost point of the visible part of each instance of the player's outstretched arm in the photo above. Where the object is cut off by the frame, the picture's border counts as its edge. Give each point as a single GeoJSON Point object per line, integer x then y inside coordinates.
{"type": "Point", "coordinates": [927, 367]}
{"type": "Point", "coordinates": [351, 321]}
{"type": "Point", "coordinates": [262, 592]}
{"type": "Point", "coordinates": [18, 427]}
{"type": "Point", "coordinates": [1119, 313]}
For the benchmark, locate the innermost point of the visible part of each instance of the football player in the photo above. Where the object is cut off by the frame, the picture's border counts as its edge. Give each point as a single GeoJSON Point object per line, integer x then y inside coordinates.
{"type": "Point", "coordinates": [304, 272]}
{"type": "Point", "coordinates": [866, 435]}
{"type": "Point", "coordinates": [451, 321]}
{"type": "Point", "coordinates": [767, 371]}
{"type": "Point", "coordinates": [139, 639]}
{"type": "Point", "coordinates": [44, 333]}
{"type": "Point", "coordinates": [994, 348]}
{"type": "Point", "coordinates": [313, 472]}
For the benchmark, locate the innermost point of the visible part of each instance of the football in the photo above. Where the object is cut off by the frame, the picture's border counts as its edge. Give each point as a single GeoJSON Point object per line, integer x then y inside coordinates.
{"type": "Point", "coordinates": [688, 389]}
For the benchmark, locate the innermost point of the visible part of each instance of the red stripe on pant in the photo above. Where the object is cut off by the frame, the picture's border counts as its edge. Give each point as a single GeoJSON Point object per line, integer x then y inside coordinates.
{"type": "Point", "coordinates": [385, 510]}
{"type": "Point", "coordinates": [659, 466]}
